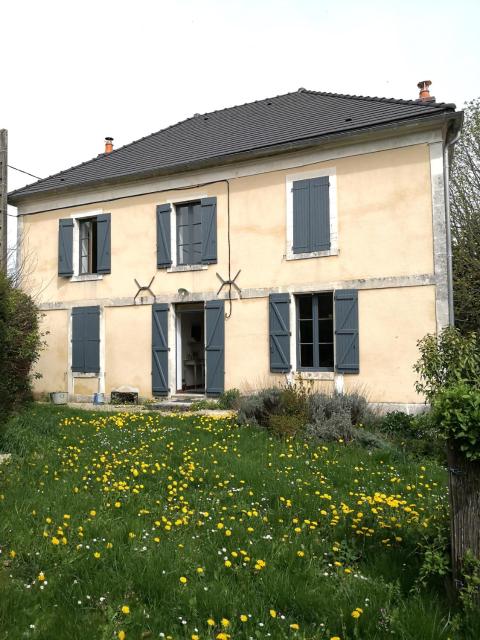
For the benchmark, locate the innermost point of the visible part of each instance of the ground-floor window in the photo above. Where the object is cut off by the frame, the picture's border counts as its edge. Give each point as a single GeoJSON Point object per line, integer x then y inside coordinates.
{"type": "Point", "coordinates": [315, 331]}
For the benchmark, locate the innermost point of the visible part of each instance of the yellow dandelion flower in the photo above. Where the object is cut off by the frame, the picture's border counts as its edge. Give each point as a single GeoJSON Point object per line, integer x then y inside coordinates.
{"type": "Point", "coordinates": [55, 540]}
{"type": "Point", "coordinates": [294, 626]}
{"type": "Point", "coordinates": [356, 614]}
{"type": "Point", "coordinates": [93, 513]}
{"type": "Point", "coordinates": [243, 618]}
{"type": "Point", "coordinates": [121, 635]}
{"type": "Point", "coordinates": [225, 623]}
{"type": "Point", "coordinates": [211, 622]}
{"type": "Point", "coordinates": [183, 580]}
{"type": "Point", "coordinates": [126, 609]}
{"type": "Point", "coordinates": [273, 613]}
{"type": "Point", "coordinates": [41, 576]}
{"type": "Point", "coordinates": [97, 554]}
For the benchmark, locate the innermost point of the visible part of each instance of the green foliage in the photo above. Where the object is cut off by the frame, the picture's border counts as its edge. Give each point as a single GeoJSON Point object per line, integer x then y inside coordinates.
{"type": "Point", "coordinates": [397, 423]}
{"type": "Point", "coordinates": [456, 412]}
{"type": "Point", "coordinates": [470, 592]}
{"type": "Point", "coordinates": [20, 344]}
{"type": "Point", "coordinates": [203, 404]}
{"type": "Point", "coordinates": [465, 207]}
{"type": "Point", "coordinates": [229, 399]}
{"type": "Point", "coordinates": [447, 359]}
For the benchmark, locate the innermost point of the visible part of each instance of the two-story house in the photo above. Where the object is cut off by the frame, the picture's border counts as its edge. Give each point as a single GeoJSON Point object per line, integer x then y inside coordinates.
{"type": "Point", "coordinates": [301, 234]}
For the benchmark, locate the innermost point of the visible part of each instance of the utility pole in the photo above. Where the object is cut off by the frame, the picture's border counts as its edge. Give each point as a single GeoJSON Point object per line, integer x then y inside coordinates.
{"type": "Point", "coordinates": [3, 199]}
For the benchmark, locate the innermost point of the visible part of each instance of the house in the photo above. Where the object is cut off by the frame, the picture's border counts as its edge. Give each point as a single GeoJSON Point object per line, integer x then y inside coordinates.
{"type": "Point", "coordinates": [306, 234]}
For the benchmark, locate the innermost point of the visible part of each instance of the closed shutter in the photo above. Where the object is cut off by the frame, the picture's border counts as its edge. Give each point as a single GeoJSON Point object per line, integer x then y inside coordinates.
{"type": "Point", "coordinates": [209, 230]}
{"type": "Point", "coordinates": [164, 249]}
{"type": "Point", "coordinates": [279, 332]}
{"type": "Point", "coordinates": [215, 346]}
{"type": "Point", "coordinates": [311, 215]}
{"type": "Point", "coordinates": [103, 243]}
{"type": "Point", "coordinates": [65, 247]}
{"type": "Point", "coordinates": [86, 339]}
{"type": "Point", "coordinates": [347, 359]}
{"type": "Point", "coordinates": [160, 349]}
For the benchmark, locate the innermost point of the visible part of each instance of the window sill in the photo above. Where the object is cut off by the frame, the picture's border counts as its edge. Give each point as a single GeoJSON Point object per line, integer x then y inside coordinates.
{"type": "Point", "coordinates": [187, 267]}
{"type": "Point", "coordinates": [313, 254]}
{"type": "Point", "coordinates": [78, 374]}
{"type": "Point", "coordinates": [315, 375]}
{"type": "Point", "coordinates": [87, 277]}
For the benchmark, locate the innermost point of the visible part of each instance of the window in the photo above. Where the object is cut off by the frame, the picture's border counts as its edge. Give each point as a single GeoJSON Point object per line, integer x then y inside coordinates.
{"type": "Point", "coordinates": [88, 245]}
{"type": "Point", "coordinates": [189, 233]}
{"type": "Point", "coordinates": [311, 215]}
{"type": "Point", "coordinates": [315, 331]}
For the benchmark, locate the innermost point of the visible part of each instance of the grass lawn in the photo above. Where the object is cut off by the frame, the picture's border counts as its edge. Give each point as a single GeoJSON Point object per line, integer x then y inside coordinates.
{"type": "Point", "coordinates": [145, 526]}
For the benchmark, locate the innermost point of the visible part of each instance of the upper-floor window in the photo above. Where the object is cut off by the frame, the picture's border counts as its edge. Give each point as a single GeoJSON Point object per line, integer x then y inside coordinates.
{"type": "Point", "coordinates": [87, 245]}
{"type": "Point", "coordinates": [84, 246]}
{"type": "Point", "coordinates": [311, 215]}
{"type": "Point", "coordinates": [187, 234]}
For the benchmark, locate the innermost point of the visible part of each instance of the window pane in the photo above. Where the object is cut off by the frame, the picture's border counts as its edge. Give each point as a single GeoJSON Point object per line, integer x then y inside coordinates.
{"type": "Point", "coordinates": [183, 235]}
{"type": "Point", "coordinates": [305, 307]}
{"type": "Point", "coordinates": [325, 355]}
{"type": "Point", "coordinates": [325, 305]}
{"type": "Point", "coordinates": [306, 355]}
{"type": "Point", "coordinates": [325, 330]}
{"type": "Point", "coordinates": [182, 214]}
{"type": "Point", "coordinates": [306, 331]}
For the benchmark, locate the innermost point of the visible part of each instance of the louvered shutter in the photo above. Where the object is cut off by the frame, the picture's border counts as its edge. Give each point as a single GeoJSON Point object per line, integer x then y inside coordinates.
{"type": "Point", "coordinates": [209, 230]}
{"type": "Point", "coordinates": [347, 358]}
{"type": "Point", "coordinates": [215, 346]}
{"type": "Point", "coordinates": [86, 339]}
{"type": "Point", "coordinates": [103, 243]}
{"type": "Point", "coordinates": [160, 349]}
{"type": "Point", "coordinates": [65, 247]}
{"type": "Point", "coordinates": [311, 215]}
{"type": "Point", "coordinates": [164, 250]}
{"type": "Point", "coordinates": [279, 332]}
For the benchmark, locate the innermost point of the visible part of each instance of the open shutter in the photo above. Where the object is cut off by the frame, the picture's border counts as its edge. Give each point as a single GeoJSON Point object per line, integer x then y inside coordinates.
{"type": "Point", "coordinates": [103, 243]}
{"type": "Point", "coordinates": [86, 339]}
{"type": "Point", "coordinates": [160, 349]}
{"type": "Point", "coordinates": [164, 250]}
{"type": "Point", "coordinates": [209, 230]}
{"type": "Point", "coordinates": [65, 247]}
{"type": "Point", "coordinates": [215, 346]}
{"type": "Point", "coordinates": [311, 215]}
{"type": "Point", "coordinates": [279, 330]}
{"type": "Point", "coordinates": [346, 331]}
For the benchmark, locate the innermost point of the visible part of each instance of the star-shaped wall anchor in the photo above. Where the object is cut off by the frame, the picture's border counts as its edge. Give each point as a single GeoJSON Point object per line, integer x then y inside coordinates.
{"type": "Point", "coordinates": [230, 283]}
{"type": "Point", "coordinates": [144, 288]}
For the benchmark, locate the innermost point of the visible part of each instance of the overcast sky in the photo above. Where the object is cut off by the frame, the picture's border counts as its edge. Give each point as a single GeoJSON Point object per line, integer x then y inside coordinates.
{"type": "Point", "coordinates": [74, 73]}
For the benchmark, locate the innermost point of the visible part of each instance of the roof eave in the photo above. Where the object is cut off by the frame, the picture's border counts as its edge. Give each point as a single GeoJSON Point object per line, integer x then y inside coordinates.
{"type": "Point", "coordinates": [443, 119]}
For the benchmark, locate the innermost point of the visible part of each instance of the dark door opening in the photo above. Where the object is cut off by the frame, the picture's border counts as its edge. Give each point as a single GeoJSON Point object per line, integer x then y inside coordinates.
{"type": "Point", "coordinates": [190, 348]}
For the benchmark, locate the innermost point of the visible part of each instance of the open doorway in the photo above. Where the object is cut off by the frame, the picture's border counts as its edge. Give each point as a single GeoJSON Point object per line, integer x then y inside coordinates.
{"type": "Point", "coordinates": [190, 348]}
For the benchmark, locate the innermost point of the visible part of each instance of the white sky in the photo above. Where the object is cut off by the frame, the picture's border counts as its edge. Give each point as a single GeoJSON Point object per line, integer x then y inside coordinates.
{"type": "Point", "coordinates": [75, 72]}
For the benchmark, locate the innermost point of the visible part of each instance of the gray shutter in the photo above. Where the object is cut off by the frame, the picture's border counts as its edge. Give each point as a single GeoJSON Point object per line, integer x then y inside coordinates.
{"type": "Point", "coordinates": [86, 339]}
{"type": "Point", "coordinates": [279, 332]}
{"type": "Point", "coordinates": [65, 247]}
{"type": "Point", "coordinates": [215, 346]}
{"type": "Point", "coordinates": [346, 331]}
{"type": "Point", "coordinates": [311, 215]}
{"type": "Point", "coordinates": [160, 349]}
{"type": "Point", "coordinates": [103, 243]}
{"type": "Point", "coordinates": [301, 216]}
{"type": "Point", "coordinates": [209, 230]}
{"type": "Point", "coordinates": [164, 250]}
{"type": "Point", "coordinates": [320, 213]}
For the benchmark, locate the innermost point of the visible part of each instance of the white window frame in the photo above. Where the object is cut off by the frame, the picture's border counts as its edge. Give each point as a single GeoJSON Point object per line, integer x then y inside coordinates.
{"type": "Point", "coordinates": [307, 175]}
{"type": "Point", "coordinates": [175, 267]}
{"type": "Point", "coordinates": [76, 277]}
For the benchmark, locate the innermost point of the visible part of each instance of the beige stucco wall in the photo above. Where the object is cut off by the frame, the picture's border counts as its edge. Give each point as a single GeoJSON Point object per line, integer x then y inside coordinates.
{"type": "Point", "coordinates": [384, 210]}
{"type": "Point", "coordinates": [385, 229]}
{"type": "Point", "coordinates": [53, 362]}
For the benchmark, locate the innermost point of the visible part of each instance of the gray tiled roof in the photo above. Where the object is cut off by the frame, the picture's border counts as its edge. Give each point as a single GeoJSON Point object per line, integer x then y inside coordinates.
{"type": "Point", "coordinates": [213, 137]}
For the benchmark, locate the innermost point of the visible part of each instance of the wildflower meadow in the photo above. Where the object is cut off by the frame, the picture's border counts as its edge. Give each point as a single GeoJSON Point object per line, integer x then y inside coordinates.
{"type": "Point", "coordinates": [140, 525]}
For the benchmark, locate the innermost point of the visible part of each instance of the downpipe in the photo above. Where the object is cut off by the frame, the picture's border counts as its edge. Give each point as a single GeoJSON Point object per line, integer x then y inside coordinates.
{"type": "Point", "coordinates": [448, 144]}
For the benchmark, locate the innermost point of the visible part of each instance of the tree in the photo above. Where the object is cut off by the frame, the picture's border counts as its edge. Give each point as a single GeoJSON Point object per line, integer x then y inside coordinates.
{"type": "Point", "coordinates": [465, 218]}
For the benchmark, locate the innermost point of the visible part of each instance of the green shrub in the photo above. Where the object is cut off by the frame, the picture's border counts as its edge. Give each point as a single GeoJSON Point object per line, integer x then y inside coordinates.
{"type": "Point", "coordinates": [397, 423]}
{"type": "Point", "coordinates": [446, 360]}
{"type": "Point", "coordinates": [285, 425]}
{"type": "Point", "coordinates": [20, 344]}
{"type": "Point", "coordinates": [229, 399]}
{"type": "Point", "coordinates": [456, 412]}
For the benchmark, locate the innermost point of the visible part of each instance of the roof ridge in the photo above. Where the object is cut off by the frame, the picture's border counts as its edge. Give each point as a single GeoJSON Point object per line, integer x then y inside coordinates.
{"type": "Point", "coordinates": [418, 102]}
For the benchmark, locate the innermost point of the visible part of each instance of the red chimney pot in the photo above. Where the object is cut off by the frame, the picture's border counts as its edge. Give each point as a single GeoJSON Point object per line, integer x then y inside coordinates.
{"type": "Point", "coordinates": [108, 145]}
{"type": "Point", "coordinates": [424, 87]}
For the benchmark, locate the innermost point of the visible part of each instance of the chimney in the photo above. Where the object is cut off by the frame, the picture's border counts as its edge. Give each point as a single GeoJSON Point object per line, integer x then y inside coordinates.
{"type": "Point", "coordinates": [424, 95]}
{"type": "Point", "coordinates": [108, 145]}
